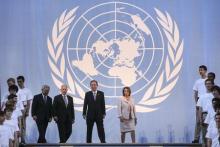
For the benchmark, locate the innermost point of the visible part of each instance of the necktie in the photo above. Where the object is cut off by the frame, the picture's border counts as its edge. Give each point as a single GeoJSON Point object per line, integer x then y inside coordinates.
{"type": "Point", "coordinates": [94, 95]}
{"type": "Point", "coordinates": [65, 100]}
{"type": "Point", "coordinates": [45, 99]}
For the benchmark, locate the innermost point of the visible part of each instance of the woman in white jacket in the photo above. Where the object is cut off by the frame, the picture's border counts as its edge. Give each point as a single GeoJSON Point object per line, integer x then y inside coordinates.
{"type": "Point", "coordinates": [127, 114]}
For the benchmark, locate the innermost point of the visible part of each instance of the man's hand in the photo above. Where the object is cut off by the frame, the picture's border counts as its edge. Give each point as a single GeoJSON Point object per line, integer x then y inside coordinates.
{"type": "Point", "coordinates": [73, 121]}
{"type": "Point", "coordinates": [200, 121]}
{"type": "Point", "coordinates": [19, 133]}
{"type": "Point", "coordinates": [103, 116]}
{"type": "Point", "coordinates": [55, 118]}
{"type": "Point", "coordinates": [34, 117]}
{"type": "Point", "coordinates": [27, 114]}
{"type": "Point", "coordinates": [196, 96]}
{"type": "Point", "coordinates": [23, 112]}
{"type": "Point", "coordinates": [84, 116]}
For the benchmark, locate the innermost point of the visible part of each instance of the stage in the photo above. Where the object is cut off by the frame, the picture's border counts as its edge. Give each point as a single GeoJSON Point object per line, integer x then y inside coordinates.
{"type": "Point", "coordinates": [116, 145]}
{"type": "Point", "coordinates": [144, 56]}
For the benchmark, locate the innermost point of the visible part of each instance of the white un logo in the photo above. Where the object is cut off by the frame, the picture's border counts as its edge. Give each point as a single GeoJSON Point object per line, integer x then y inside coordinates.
{"type": "Point", "coordinates": [118, 44]}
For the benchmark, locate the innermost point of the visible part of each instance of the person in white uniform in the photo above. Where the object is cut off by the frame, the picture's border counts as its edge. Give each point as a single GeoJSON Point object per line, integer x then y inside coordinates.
{"type": "Point", "coordinates": [13, 89]}
{"type": "Point", "coordinates": [211, 131]}
{"type": "Point", "coordinates": [26, 96]}
{"type": "Point", "coordinates": [203, 103]}
{"type": "Point", "coordinates": [12, 123]}
{"type": "Point", "coordinates": [211, 76]}
{"type": "Point", "coordinates": [6, 134]}
{"type": "Point", "coordinates": [211, 112]}
{"type": "Point", "coordinates": [215, 133]}
{"type": "Point", "coordinates": [10, 81]}
{"type": "Point", "coordinates": [199, 89]}
{"type": "Point", "coordinates": [127, 114]}
{"type": "Point", "coordinates": [18, 109]}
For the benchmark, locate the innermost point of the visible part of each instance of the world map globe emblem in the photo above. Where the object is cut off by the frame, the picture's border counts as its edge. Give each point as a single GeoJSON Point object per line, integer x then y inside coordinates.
{"type": "Point", "coordinates": [118, 44]}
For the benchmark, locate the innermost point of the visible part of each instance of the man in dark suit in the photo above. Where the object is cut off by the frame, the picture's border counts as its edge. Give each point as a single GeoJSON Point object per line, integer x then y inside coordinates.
{"type": "Point", "coordinates": [42, 110]}
{"type": "Point", "coordinates": [64, 114]}
{"type": "Point", "coordinates": [94, 111]}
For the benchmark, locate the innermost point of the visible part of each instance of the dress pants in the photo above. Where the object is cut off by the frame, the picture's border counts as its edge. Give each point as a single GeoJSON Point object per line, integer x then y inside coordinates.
{"type": "Point", "coordinates": [65, 129]}
{"type": "Point", "coordinates": [23, 125]}
{"type": "Point", "coordinates": [197, 126]}
{"type": "Point", "coordinates": [204, 127]}
{"type": "Point", "coordinates": [42, 128]}
{"type": "Point", "coordinates": [100, 128]}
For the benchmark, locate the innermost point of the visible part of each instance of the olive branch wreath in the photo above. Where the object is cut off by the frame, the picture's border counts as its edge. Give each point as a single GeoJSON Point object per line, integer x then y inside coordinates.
{"type": "Point", "coordinates": [168, 78]}
{"type": "Point", "coordinates": [155, 94]}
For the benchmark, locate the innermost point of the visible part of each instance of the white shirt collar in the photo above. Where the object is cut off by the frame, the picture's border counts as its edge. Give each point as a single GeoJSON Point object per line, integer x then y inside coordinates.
{"type": "Point", "coordinates": [43, 95]}
{"type": "Point", "coordinates": [94, 92]}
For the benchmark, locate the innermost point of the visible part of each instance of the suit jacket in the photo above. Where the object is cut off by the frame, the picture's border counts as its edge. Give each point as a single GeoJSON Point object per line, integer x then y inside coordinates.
{"type": "Point", "coordinates": [94, 108]}
{"type": "Point", "coordinates": [126, 108]}
{"type": "Point", "coordinates": [62, 111]}
{"type": "Point", "coordinates": [41, 109]}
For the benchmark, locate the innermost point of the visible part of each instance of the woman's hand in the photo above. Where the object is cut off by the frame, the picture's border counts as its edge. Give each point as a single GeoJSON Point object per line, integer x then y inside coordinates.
{"type": "Point", "coordinates": [121, 119]}
{"type": "Point", "coordinates": [135, 121]}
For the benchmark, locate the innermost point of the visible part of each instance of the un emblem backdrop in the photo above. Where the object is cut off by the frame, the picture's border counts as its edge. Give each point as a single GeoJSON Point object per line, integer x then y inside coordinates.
{"type": "Point", "coordinates": [154, 47]}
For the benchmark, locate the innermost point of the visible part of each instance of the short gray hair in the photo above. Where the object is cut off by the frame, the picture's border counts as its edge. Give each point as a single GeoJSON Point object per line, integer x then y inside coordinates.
{"type": "Point", "coordinates": [45, 86]}
{"type": "Point", "coordinates": [64, 85]}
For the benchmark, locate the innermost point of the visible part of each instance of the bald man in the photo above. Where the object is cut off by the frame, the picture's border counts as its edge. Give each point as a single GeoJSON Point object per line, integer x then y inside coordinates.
{"type": "Point", "coordinates": [64, 113]}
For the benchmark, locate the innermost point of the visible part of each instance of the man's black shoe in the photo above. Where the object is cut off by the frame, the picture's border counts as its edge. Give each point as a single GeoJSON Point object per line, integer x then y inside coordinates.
{"type": "Point", "coordinates": [195, 141]}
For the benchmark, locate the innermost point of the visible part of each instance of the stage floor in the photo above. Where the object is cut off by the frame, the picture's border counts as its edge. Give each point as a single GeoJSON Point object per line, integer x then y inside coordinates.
{"type": "Point", "coordinates": [115, 145]}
